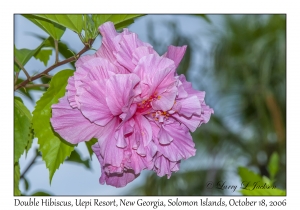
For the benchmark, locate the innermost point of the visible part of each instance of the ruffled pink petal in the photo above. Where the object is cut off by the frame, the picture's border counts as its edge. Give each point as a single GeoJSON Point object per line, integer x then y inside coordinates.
{"type": "Point", "coordinates": [110, 45]}
{"type": "Point", "coordinates": [120, 136]}
{"type": "Point", "coordinates": [118, 180]}
{"type": "Point", "coordinates": [71, 93]}
{"type": "Point", "coordinates": [165, 100]}
{"type": "Point", "coordinates": [84, 59]}
{"type": "Point", "coordinates": [164, 137]}
{"type": "Point", "coordinates": [128, 44]}
{"type": "Point", "coordinates": [190, 90]}
{"type": "Point", "coordinates": [182, 146]}
{"type": "Point", "coordinates": [164, 166]}
{"type": "Point", "coordinates": [114, 179]}
{"type": "Point", "coordinates": [176, 53]}
{"type": "Point", "coordinates": [189, 106]}
{"type": "Point", "coordinates": [143, 128]}
{"type": "Point", "coordinates": [119, 92]}
{"type": "Point", "coordinates": [139, 163]}
{"type": "Point", "coordinates": [74, 85]}
{"type": "Point", "coordinates": [141, 52]}
{"type": "Point", "coordinates": [206, 113]}
{"type": "Point", "coordinates": [156, 73]}
{"type": "Point", "coordinates": [93, 103]}
{"type": "Point", "coordinates": [98, 69]}
{"type": "Point", "coordinates": [192, 122]}
{"type": "Point", "coordinates": [112, 155]}
{"type": "Point", "coordinates": [108, 30]}
{"type": "Point", "coordinates": [70, 124]}
{"type": "Point", "coordinates": [181, 91]}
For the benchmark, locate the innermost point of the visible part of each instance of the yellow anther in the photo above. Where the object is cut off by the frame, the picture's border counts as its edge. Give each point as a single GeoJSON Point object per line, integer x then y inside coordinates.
{"type": "Point", "coordinates": [158, 97]}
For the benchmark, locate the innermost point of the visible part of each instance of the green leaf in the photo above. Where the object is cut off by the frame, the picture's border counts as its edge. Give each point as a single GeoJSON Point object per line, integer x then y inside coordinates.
{"type": "Point", "coordinates": [30, 140]}
{"type": "Point", "coordinates": [273, 165]}
{"type": "Point", "coordinates": [54, 149]}
{"type": "Point", "coordinates": [24, 55]}
{"type": "Point", "coordinates": [247, 175]}
{"type": "Point", "coordinates": [53, 29]}
{"type": "Point", "coordinates": [76, 158]}
{"type": "Point", "coordinates": [89, 145]}
{"type": "Point", "coordinates": [41, 193]}
{"type": "Point", "coordinates": [43, 56]}
{"type": "Point", "coordinates": [26, 183]}
{"type": "Point", "coordinates": [273, 192]}
{"type": "Point", "coordinates": [91, 29]}
{"type": "Point", "coordinates": [16, 179]}
{"type": "Point", "coordinates": [73, 22]}
{"type": "Point", "coordinates": [63, 49]}
{"type": "Point", "coordinates": [120, 21]}
{"type": "Point", "coordinates": [254, 184]}
{"type": "Point", "coordinates": [22, 123]}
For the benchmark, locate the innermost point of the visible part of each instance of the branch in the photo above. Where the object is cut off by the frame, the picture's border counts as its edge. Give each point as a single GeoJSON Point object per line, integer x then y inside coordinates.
{"type": "Point", "coordinates": [22, 67]}
{"type": "Point", "coordinates": [36, 85]}
{"type": "Point", "coordinates": [73, 58]}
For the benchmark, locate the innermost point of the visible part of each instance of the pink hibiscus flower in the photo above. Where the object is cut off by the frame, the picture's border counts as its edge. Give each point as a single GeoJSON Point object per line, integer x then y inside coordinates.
{"type": "Point", "coordinates": [134, 103]}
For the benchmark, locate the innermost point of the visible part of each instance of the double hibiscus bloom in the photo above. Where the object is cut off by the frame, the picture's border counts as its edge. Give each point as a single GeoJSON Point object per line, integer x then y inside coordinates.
{"type": "Point", "coordinates": [132, 100]}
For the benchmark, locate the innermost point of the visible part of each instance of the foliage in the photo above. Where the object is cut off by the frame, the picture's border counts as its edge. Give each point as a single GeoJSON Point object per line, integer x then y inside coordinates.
{"type": "Point", "coordinates": [250, 57]}
{"type": "Point", "coordinates": [54, 149]}
{"type": "Point", "coordinates": [22, 124]}
{"type": "Point", "coordinates": [254, 184]}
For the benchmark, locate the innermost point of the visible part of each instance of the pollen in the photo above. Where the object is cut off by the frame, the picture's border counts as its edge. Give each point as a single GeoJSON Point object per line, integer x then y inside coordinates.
{"type": "Point", "coordinates": [158, 97]}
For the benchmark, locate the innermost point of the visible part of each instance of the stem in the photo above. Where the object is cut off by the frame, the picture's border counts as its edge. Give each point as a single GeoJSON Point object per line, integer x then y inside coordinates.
{"type": "Point", "coordinates": [30, 164]}
{"type": "Point", "coordinates": [48, 76]}
{"type": "Point", "coordinates": [276, 116]}
{"type": "Point", "coordinates": [36, 85]}
{"type": "Point", "coordinates": [22, 67]}
{"type": "Point", "coordinates": [56, 51]}
{"type": "Point", "coordinates": [16, 77]}
{"type": "Point", "coordinates": [73, 58]}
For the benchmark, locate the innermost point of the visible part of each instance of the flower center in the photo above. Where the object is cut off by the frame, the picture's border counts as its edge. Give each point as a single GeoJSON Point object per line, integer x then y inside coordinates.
{"type": "Point", "coordinates": [145, 106]}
